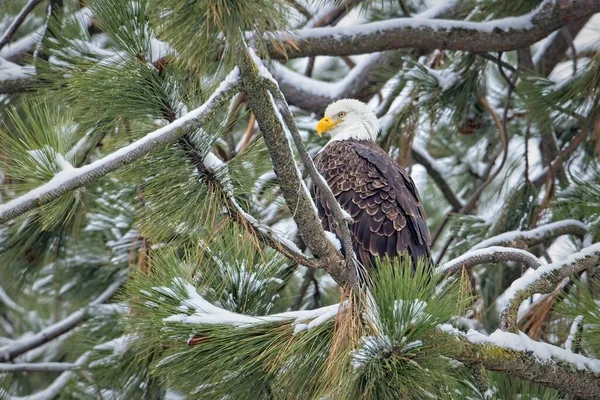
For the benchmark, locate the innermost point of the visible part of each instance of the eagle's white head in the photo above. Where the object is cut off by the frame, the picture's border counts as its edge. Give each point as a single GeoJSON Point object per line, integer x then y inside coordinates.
{"type": "Point", "coordinates": [349, 119]}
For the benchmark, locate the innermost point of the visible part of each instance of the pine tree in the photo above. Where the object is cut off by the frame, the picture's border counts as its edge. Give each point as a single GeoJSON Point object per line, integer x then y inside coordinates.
{"type": "Point", "coordinates": [158, 238]}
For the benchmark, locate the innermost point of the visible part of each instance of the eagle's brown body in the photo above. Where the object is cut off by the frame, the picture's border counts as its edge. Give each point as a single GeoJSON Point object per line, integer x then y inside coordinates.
{"type": "Point", "coordinates": [379, 195]}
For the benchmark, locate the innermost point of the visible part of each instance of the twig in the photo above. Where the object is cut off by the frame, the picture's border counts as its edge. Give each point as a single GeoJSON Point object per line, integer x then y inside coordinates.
{"type": "Point", "coordinates": [31, 4]}
{"type": "Point", "coordinates": [72, 179]}
{"type": "Point", "coordinates": [573, 145]}
{"type": "Point", "coordinates": [544, 280]}
{"type": "Point", "coordinates": [572, 342]}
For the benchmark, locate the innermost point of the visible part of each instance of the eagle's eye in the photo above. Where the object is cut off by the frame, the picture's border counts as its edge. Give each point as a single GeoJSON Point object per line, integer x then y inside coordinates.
{"type": "Point", "coordinates": [342, 114]}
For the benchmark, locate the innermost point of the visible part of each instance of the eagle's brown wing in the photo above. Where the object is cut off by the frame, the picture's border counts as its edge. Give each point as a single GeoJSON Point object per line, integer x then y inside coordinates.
{"type": "Point", "coordinates": [379, 195]}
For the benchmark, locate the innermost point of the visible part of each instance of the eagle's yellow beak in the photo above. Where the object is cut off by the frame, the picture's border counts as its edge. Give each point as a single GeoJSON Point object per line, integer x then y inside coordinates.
{"type": "Point", "coordinates": [324, 125]}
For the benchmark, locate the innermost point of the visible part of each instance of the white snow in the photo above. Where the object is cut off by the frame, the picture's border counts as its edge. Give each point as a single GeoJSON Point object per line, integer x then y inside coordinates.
{"type": "Point", "coordinates": [332, 237]}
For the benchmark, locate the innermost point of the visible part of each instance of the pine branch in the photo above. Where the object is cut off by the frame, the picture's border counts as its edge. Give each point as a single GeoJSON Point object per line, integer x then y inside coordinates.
{"type": "Point", "coordinates": [544, 280]}
{"type": "Point", "coordinates": [12, 29]}
{"type": "Point", "coordinates": [290, 179]}
{"type": "Point", "coordinates": [29, 342]}
{"type": "Point", "coordinates": [522, 357]}
{"type": "Point", "coordinates": [564, 155]}
{"type": "Point", "coordinates": [487, 255]}
{"type": "Point", "coordinates": [492, 36]}
{"type": "Point", "coordinates": [526, 239]}
{"type": "Point", "coordinates": [69, 180]}
{"type": "Point", "coordinates": [260, 231]}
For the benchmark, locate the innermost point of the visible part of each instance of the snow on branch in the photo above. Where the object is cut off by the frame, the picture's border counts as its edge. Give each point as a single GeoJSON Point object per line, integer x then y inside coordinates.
{"type": "Point", "coordinates": [525, 239]}
{"type": "Point", "coordinates": [492, 254]}
{"type": "Point", "coordinates": [74, 178]}
{"type": "Point", "coordinates": [37, 367]}
{"type": "Point", "coordinates": [544, 280]}
{"type": "Point", "coordinates": [207, 313]}
{"type": "Point", "coordinates": [28, 342]}
{"type": "Point", "coordinates": [521, 356]}
{"type": "Point", "coordinates": [490, 36]}
{"type": "Point", "coordinates": [315, 95]}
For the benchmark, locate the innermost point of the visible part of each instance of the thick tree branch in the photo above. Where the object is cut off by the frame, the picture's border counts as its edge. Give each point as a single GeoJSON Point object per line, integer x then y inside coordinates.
{"type": "Point", "coordinates": [519, 356]}
{"type": "Point", "coordinates": [292, 186]}
{"type": "Point", "coordinates": [489, 255]}
{"type": "Point", "coordinates": [544, 280]}
{"type": "Point", "coordinates": [28, 342]}
{"type": "Point", "coordinates": [492, 36]}
{"type": "Point", "coordinates": [71, 179]}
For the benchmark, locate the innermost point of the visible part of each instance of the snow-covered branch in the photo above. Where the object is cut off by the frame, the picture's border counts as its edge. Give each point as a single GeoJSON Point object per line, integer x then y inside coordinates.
{"type": "Point", "coordinates": [74, 178]}
{"type": "Point", "coordinates": [28, 342]}
{"type": "Point", "coordinates": [525, 239]}
{"type": "Point", "coordinates": [490, 36]}
{"type": "Point", "coordinates": [83, 17]}
{"type": "Point", "coordinates": [314, 95]}
{"type": "Point", "coordinates": [37, 367]}
{"type": "Point", "coordinates": [294, 190]}
{"type": "Point", "coordinates": [521, 356]}
{"type": "Point", "coordinates": [8, 34]}
{"type": "Point", "coordinates": [207, 314]}
{"type": "Point", "coordinates": [492, 254]}
{"type": "Point", "coordinates": [544, 280]}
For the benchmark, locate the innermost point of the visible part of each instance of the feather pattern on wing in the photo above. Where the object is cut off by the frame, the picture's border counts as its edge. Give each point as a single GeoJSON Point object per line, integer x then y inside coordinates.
{"type": "Point", "coordinates": [388, 216]}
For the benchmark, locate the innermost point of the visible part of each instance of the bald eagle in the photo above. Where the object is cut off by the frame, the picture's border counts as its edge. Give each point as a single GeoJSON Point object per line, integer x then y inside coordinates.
{"type": "Point", "coordinates": [380, 196]}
